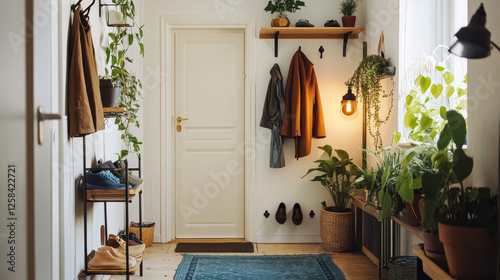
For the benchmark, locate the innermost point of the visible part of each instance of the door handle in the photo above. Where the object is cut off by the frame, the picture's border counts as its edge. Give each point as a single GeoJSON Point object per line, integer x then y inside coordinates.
{"type": "Point", "coordinates": [179, 119]}
{"type": "Point", "coordinates": [41, 117]}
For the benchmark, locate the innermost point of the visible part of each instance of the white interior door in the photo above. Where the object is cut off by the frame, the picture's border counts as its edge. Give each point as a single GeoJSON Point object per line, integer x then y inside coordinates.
{"type": "Point", "coordinates": [209, 170]}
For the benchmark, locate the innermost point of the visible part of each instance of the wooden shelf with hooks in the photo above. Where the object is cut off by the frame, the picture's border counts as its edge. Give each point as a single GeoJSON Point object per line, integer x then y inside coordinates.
{"type": "Point", "coordinates": [276, 33]}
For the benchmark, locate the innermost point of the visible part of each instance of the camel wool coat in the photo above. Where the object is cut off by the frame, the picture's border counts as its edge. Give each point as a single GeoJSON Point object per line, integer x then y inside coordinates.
{"type": "Point", "coordinates": [303, 111]}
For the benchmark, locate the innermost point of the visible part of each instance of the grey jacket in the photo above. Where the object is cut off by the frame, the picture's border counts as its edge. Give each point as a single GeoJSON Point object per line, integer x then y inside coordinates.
{"type": "Point", "coordinates": [272, 116]}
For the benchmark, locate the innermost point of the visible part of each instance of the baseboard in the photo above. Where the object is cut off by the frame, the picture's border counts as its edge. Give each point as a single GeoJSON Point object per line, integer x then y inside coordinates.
{"type": "Point", "coordinates": [287, 239]}
{"type": "Point", "coordinates": [158, 239]}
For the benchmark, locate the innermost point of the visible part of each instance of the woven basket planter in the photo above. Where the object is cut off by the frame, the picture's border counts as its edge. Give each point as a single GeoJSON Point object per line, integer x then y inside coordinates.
{"type": "Point", "coordinates": [336, 230]}
{"type": "Point", "coordinates": [402, 268]}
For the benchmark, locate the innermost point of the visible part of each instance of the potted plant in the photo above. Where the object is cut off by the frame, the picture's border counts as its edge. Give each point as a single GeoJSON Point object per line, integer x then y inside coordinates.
{"type": "Point", "coordinates": [337, 174]}
{"type": "Point", "coordinates": [468, 231]}
{"type": "Point", "coordinates": [366, 80]}
{"type": "Point", "coordinates": [110, 92]}
{"type": "Point", "coordinates": [120, 41]}
{"type": "Point", "coordinates": [282, 7]}
{"type": "Point", "coordinates": [348, 8]}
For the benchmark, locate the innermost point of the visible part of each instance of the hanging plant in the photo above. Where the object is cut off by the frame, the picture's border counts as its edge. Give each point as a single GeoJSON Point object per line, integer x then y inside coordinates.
{"type": "Point", "coordinates": [120, 41]}
{"type": "Point", "coordinates": [366, 81]}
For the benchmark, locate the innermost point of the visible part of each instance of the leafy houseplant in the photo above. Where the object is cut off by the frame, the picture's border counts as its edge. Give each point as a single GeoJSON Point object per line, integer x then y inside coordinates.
{"type": "Point", "coordinates": [120, 41]}
{"type": "Point", "coordinates": [348, 8]}
{"type": "Point", "coordinates": [282, 7]}
{"type": "Point", "coordinates": [429, 100]}
{"type": "Point", "coordinates": [366, 80]}
{"type": "Point", "coordinates": [336, 176]}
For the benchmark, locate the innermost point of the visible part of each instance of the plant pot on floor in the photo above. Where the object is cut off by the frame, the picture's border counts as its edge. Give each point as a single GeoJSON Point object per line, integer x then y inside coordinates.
{"type": "Point", "coordinates": [471, 253]}
{"type": "Point", "coordinates": [110, 94]}
{"type": "Point", "coordinates": [434, 249]}
{"type": "Point", "coordinates": [336, 230]}
{"type": "Point", "coordinates": [348, 21]}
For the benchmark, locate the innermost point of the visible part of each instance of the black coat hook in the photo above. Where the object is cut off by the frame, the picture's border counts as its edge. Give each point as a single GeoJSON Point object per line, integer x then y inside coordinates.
{"type": "Point", "coordinates": [300, 48]}
{"type": "Point", "coordinates": [266, 214]}
{"type": "Point", "coordinates": [311, 214]}
{"type": "Point", "coordinates": [73, 7]}
{"type": "Point", "coordinates": [321, 50]}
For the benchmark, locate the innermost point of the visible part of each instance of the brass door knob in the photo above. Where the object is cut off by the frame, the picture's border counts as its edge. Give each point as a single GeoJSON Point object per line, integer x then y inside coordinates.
{"type": "Point", "coordinates": [179, 119]}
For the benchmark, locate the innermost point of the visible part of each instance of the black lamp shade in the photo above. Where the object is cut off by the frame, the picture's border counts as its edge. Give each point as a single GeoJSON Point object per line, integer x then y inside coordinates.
{"type": "Point", "coordinates": [473, 41]}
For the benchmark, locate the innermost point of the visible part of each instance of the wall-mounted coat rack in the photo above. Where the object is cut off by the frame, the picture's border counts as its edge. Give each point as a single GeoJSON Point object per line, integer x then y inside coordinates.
{"type": "Point", "coordinates": [277, 33]}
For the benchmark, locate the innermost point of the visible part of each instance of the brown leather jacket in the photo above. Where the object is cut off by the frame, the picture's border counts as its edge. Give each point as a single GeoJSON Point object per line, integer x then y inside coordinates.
{"type": "Point", "coordinates": [303, 111]}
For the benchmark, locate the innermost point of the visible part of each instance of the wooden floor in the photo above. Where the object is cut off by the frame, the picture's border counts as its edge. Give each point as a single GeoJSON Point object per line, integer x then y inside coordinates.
{"type": "Point", "coordinates": [161, 262]}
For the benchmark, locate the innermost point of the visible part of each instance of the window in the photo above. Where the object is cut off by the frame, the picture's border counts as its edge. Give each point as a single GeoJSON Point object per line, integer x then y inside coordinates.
{"type": "Point", "coordinates": [430, 77]}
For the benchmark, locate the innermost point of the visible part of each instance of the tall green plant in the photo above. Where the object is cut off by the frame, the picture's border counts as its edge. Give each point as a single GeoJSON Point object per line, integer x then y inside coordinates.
{"type": "Point", "coordinates": [336, 177]}
{"type": "Point", "coordinates": [120, 42]}
{"type": "Point", "coordinates": [366, 80]}
{"type": "Point", "coordinates": [348, 7]}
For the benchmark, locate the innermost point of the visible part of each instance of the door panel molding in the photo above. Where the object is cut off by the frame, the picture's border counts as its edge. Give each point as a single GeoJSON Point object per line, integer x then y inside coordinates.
{"type": "Point", "coordinates": [168, 122]}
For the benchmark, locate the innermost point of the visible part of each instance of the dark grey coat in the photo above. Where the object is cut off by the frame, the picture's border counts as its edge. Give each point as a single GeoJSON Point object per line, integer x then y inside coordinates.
{"type": "Point", "coordinates": [272, 116]}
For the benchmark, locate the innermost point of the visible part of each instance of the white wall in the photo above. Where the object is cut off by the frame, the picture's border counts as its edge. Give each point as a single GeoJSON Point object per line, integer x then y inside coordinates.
{"type": "Point", "coordinates": [483, 102]}
{"type": "Point", "coordinates": [272, 185]}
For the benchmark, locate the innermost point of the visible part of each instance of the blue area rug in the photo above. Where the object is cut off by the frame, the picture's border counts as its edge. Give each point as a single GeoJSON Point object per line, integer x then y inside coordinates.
{"type": "Point", "coordinates": [252, 267]}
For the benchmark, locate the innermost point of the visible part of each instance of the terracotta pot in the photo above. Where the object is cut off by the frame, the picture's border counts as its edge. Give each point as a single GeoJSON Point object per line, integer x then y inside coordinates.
{"type": "Point", "coordinates": [434, 249]}
{"type": "Point", "coordinates": [348, 21]}
{"type": "Point", "coordinates": [337, 230]}
{"type": "Point", "coordinates": [280, 22]}
{"type": "Point", "coordinates": [413, 215]}
{"type": "Point", "coordinates": [471, 253]}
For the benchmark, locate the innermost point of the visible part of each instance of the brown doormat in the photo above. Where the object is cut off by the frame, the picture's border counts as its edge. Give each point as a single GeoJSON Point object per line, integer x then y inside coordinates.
{"type": "Point", "coordinates": [230, 247]}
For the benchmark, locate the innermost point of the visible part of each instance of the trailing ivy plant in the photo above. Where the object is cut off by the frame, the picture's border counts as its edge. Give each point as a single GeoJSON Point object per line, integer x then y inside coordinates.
{"type": "Point", "coordinates": [366, 81]}
{"type": "Point", "coordinates": [120, 42]}
{"type": "Point", "coordinates": [428, 101]}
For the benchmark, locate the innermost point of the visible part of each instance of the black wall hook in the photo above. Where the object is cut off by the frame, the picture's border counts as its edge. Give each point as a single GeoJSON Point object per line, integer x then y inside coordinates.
{"type": "Point", "coordinates": [311, 214]}
{"type": "Point", "coordinates": [266, 214]}
{"type": "Point", "coordinates": [321, 50]}
{"type": "Point", "coordinates": [300, 48]}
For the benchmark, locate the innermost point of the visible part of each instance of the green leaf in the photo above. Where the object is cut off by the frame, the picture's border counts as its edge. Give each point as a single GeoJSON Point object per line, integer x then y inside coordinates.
{"type": "Point", "coordinates": [436, 90]}
{"type": "Point", "coordinates": [130, 39]}
{"type": "Point", "coordinates": [342, 154]}
{"type": "Point", "coordinates": [417, 183]}
{"type": "Point", "coordinates": [397, 137]}
{"type": "Point", "coordinates": [108, 53]}
{"type": "Point", "coordinates": [407, 159]}
{"type": "Point", "coordinates": [403, 185]}
{"type": "Point", "coordinates": [409, 98]}
{"type": "Point", "coordinates": [448, 77]}
{"type": "Point", "coordinates": [385, 176]}
{"type": "Point", "coordinates": [462, 92]}
{"type": "Point", "coordinates": [465, 79]}
{"type": "Point", "coordinates": [417, 80]}
{"type": "Point", "coordinates": [327, 149]}
{"type": "Point", "coordinates": [439, 68]}
{"type": "Point", "coordinates": [425, 83]}
{"type": "Point", "coordinates": [433, 112]}
{"type": "Point", "coordinates": [427, 99]}
{"type": "Point", "coordinates": [414, 123]}
{"type": "Point", "coordinates": [449, 91]}
{"type": "Point", "coordinates": [385, 201]}
{"type": "Point", "coordinates": [458, 127]}
{"type": "Point", "coordinates": [425, 122]}
{"type": "Point", "coordinates": [141, 49]}
{"type": "Point", "coordinates": [462, 164]}
{"type": "Point", "coordinates": [442, 112]}
{"type": "Point", "coordinates": [444, 137]}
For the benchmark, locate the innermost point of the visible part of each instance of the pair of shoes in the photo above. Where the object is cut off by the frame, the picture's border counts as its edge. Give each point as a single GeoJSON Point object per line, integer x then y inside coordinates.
{"type": "Point", "coordinates": [135, 249]}
{"type": "Point", "coordinates": [109, 258]}
{"type": "Point", "coordinates": [297, 216]}
{"type": "Point", "coordinates": [103, 180]}
{"type": "Point", "coordinates": [133, 180]}
{"type": "Point", "coordinates": [303, 23]}
{"type": "Point", "coordinates": [332, 23]}
{"type": "Point", "coordinates": [131, 236]}
{"type": "Point", "coordinates": [116, 241]}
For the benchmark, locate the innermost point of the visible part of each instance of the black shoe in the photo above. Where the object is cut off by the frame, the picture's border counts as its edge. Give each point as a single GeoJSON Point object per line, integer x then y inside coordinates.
{"type": "Point", "coordinates": [297, 214]}
{"type": "Point", "coordinates": [332, 23]}
{"type": "Point", "coordinates": [303, 23]}
{"type": "Point", "coordinates": [281, 214]}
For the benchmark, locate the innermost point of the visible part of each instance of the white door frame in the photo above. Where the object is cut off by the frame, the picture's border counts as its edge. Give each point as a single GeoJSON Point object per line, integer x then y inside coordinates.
{"type": "Point", "coordinates": [167, 136]}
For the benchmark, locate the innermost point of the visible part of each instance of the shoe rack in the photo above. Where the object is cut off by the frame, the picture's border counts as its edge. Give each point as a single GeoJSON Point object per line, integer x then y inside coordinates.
{"type": "Point", "coordinates": [111, 196]}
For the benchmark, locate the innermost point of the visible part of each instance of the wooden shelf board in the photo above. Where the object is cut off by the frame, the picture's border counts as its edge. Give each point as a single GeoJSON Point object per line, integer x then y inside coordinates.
{"type": "Point", "coordinates": [310, 32]}
{"type": "Point", "coordinates": [429, 267]}
{"type": "Point", "coordinates": [367, 207]}
{"type": "Point", "coordinates": [112, 195]}
{"type": "Point", "coordinates": [114, 109]}
{"type": "Point", "coordinates": [415, 230]}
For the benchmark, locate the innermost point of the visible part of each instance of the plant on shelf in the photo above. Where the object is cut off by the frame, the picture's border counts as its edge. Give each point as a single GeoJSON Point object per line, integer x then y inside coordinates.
{"type": "Point", "coordinates": [429, 100]}
{"type": "Point", "coordinates": [348, 8]}
{"type": "Point", "coordinates": [366, 80]}
{"type": "Point", "coordinates": [380, 182]}
{"type": "Point", "coordinates": [337, 174]}
{"type": "Point", "coordinates": [282, 7]}
{"type": "Point", "coordinates": [120, 42]}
